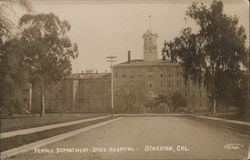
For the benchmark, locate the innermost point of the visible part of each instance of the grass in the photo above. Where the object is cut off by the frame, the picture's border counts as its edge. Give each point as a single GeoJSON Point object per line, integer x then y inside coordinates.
{"type": "Point", "coordinates": [231, 117]}
{"type": "Point", "coordinates": [28, 121]}
{"type": "Point", "coordinates": [20, 140]}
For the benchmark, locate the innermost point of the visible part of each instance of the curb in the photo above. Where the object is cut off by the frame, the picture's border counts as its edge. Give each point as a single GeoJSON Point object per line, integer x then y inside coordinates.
{"type": "Point", "coordinates": [28, 147]}
{"type": "Point", "coordinates": [43, 128]}
{"type": "Point", "coordinates": [242, 127]}
{"type": "Point", "coordinates": [152, 114]}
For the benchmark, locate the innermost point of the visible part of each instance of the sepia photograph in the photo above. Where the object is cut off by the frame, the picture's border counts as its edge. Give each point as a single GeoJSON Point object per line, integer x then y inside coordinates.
{"type": "Point", "coordinates": [124, 80]}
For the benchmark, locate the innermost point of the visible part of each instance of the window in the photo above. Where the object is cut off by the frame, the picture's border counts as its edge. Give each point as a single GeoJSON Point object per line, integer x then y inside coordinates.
{"type": "Point", "coordinates": [150, 74]}
{"type": "Point", "coordinates": [169, 84]}
{"type": "Point", "coordinates": [177, 83]}
{"type": "Point", "coordinates": [161, 75]}
{"type": "Point", "coordinates": [169, 75]}
{"type": "Point", "coordinates": [150, 85]}
{"type": "Point", "coordinates": [123, 75]}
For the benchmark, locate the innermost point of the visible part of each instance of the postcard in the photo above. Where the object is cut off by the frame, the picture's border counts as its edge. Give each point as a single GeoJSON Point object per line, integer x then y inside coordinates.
{"type": "Point", "coordinates": [124, 79]}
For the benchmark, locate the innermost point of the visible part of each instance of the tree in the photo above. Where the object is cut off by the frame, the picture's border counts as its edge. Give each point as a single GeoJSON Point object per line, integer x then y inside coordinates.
{"type": "Point", "coordinates": [161, 104]}
{"type": "Point", "coordinates": [130, 97]}
{"type": "Point", "coordinates": [42, 52]}
{"type": "Point", "coordinates": [214, 54]}
{"type": "Point", "coordinates": [12, 73]}
{"type": "Point", "coordinates": [47, 50]}
{"type": "Point", "coordinates": [178, 101]}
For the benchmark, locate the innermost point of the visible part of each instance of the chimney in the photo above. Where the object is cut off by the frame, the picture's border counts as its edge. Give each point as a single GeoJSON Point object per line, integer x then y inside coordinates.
{"type": "Point", "coordinates": [129, 56]}
{"type": "Point", "coordinates": [82, 74]}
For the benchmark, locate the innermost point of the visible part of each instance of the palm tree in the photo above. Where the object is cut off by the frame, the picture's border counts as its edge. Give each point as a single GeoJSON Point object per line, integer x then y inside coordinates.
{"type": "Point", "coordinates": [9, 16]}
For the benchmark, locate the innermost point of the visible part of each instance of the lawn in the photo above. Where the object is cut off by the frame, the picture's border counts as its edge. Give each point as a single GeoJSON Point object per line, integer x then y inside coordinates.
{"type": "Point", "coordinates": [17, 122]}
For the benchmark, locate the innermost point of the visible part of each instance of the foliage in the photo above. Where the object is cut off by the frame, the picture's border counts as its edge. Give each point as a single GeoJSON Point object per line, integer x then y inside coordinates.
{"type": "Point", "coordinates": [13, 74]}
{"type": "Point", "coordinates": [159, 104]}
{"type": "Point", "coordinates": [214, 54]}
{"type": "Point", "coordinates": [240, 97]}
{"type": "Point", "coordinates": [162, 99]}
{"type": "Point", "coordinates": [40, 55]}
{"type": "Point", "coordinates": [12, 70]}
{"type": "Point", "coordinates": [7, 12]}
{"type": "Point", "coordinates": [47, 48]}
{"type": "Point", "coordinates": [178, 101]}
{"type": "Point", "coordinates": [130, 98]}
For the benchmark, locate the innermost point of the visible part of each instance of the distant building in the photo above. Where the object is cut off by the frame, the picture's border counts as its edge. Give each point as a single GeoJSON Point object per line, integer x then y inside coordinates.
{"type": "Point", "coordinates": [154, 76]}
{"type": "Point", "coordinates": [80, 92]}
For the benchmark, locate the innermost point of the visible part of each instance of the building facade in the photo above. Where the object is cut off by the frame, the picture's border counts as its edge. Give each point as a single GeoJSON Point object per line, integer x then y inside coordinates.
{"type": "Point", "coordinates": [82, 92]}
{"type": "Point", "coordinates": [154, 77]}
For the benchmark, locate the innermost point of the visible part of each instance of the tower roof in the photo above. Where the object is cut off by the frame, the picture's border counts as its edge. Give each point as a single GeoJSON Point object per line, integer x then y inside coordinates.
{"type": "Point", "coordinates": [149, 31]}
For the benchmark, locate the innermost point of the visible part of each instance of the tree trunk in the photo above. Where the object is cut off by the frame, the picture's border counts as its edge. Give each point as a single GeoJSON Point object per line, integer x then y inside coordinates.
{"type": "Point", "coordinates": [10, 103]}
{"type": "Point", "coordinates": [227, 110]}
{"type": "Point", "coordinates": [213, 88]}
{"type": "Point", "coordinates": [42, 111]}
{"type": "Point", "coordinates": [30, 98]}
{"type": "Point", "coordinates": [214, 106]}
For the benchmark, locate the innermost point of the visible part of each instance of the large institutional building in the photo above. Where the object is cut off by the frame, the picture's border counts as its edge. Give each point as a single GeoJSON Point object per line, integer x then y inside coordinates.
{"type": "Point", "coordinates": [153, 77]}
{"type": "Point", "coordinates": [136, 82]}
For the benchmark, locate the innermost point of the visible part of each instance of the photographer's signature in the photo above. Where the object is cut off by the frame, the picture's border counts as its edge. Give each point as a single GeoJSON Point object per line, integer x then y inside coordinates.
{"type": "Point", "coordinates": [233, 146]}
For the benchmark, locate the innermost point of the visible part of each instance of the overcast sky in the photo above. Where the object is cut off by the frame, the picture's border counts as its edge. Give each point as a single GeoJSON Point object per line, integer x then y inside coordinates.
{"type": "Point", "coordinates": [112, 28]}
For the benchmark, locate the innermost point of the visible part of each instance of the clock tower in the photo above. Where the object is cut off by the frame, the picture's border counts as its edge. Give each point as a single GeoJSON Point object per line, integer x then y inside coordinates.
{"type": "Point", "coordinates": [150, 46]}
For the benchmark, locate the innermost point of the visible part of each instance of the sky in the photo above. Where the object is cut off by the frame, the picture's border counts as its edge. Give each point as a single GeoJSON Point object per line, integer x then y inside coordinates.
{"type": "Point", "coordinates": [112, 27]}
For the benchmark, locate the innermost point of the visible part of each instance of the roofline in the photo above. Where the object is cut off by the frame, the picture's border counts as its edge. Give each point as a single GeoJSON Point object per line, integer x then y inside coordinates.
{"type": "Point", "coordinates": [143, 65]}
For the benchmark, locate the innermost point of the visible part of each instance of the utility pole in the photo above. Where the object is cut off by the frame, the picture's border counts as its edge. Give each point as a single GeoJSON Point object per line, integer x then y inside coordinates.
{"type": "Point", "coordinates": [112, 59]}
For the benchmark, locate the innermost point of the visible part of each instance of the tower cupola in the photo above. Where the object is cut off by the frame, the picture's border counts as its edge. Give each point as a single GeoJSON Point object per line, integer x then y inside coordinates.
{"type": "Point", "coordinates": [150, 45]}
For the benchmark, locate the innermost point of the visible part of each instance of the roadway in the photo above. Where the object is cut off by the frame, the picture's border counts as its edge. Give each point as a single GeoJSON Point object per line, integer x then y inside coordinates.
{"type": "Point", "coordinates": [150, 137]}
